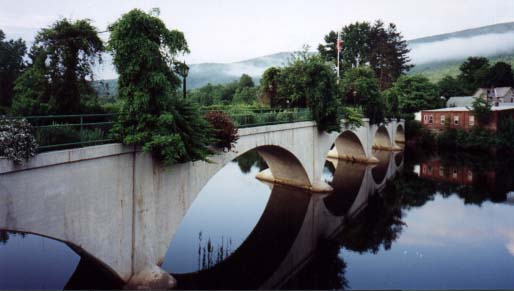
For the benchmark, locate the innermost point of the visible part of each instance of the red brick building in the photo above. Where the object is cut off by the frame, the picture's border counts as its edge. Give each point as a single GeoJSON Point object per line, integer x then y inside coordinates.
{"type": "Point", "coordinates": [460, 117]}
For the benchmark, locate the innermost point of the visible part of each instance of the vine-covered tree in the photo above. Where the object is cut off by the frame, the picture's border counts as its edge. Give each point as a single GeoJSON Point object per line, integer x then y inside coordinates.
{"type": "Point", "coordinates": [153, 115]}
{"type": "Point", "coordinates": [63, 56]}
{"type": "Point", "coordinates": [11, 66]}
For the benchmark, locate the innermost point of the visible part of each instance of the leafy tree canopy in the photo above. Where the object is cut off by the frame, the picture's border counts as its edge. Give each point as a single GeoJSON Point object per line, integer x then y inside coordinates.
{"type": "Point", "coordinates": [481, 109]}
{"type": "Point", "coordinates": [472, 73]}
{"type": "Point", "coordinates": [415, 93]}
{"type": "Point", "coordinates": [381, 47]}
{"type": "Point", "coordinates": [360, 87]}
{"type": "Point", "coordinates": [450, 87]}
{"type": "Point", "coordinates": [11, 66]}
{"type": "Point", "coordinates": [499, 75]}
{"type": "Point", "coordinates": [62, 59]}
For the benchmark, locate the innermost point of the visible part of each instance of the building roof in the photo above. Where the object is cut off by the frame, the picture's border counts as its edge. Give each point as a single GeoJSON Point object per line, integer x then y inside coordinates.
{"type": "Point", "coordinates": [460, 101]}
{"type": "Point", "coordinates": [501, 107]}
{"type": "Point", "coordinates": [499, 91]}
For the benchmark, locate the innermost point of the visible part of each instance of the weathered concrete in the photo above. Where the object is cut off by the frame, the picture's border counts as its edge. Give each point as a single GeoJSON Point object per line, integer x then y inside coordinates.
{"type": "Point", "coordinates": [119, 205]}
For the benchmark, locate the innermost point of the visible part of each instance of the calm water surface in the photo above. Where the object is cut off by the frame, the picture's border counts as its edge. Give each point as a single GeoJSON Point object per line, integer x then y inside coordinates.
{"type": "Point", "coordinates": [413, 222]}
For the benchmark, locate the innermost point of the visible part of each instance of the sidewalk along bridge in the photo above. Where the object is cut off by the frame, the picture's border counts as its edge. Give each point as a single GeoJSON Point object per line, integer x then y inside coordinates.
{"type": "Point", "coordinates": [120, 206]}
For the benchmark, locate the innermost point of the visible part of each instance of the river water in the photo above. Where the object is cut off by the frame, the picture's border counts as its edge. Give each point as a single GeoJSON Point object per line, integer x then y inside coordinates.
{"type": "Point", "coordinates": [414, 221]}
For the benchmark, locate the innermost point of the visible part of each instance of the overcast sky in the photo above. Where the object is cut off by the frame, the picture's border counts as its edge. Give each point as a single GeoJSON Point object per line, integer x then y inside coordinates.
{"type": "Point", "coordinates": [233, 30]}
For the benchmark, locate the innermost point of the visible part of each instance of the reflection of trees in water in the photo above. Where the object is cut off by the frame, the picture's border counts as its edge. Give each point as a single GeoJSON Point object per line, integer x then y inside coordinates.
{"type": "Point", "coordinates": [6, 235]}
{"type": "Point", "coordinates": [325, 271]}
{"type": "Point", "coordinates": [379, 224]}
{"type": "Point", "coordinates": [492, 175]}
{"type": "Point", "coordinates": [210, 254]}
{"type": "Point", "coordinates": [250, 159]}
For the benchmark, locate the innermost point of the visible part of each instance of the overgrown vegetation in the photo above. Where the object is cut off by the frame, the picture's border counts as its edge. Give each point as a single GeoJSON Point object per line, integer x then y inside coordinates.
{"type": "Point", "coordinates": [152, 115]}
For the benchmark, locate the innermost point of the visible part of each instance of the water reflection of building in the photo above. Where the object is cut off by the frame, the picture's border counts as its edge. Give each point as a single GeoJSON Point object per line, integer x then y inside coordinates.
{"type": "Point", "coordinates": [475, 183]}
{"type": "Point", "coordinates": [436, 170]}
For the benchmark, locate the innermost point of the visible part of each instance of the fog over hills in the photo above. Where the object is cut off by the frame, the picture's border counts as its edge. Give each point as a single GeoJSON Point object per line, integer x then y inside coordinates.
{"type": "Point", "coordinates": [427, 53]}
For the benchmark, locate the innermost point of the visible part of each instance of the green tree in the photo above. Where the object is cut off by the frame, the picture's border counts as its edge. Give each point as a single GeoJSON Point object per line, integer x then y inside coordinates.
{"type": "Point", "coordinates": [153, 115]}
{"type": "Point", "coordinates": [450, 87]}
{"type": "Point", "coordinates": [246, 81]}
{"type": "Point", "coordinates": [69, 50]}
{"type": "Point", "coordinates": [360, 87]}
{"type": "Point", "coordinates": [308, 81]}
{"type": "Point", "coordinates": [499, 75]}
{"type": "Point", "coordinates": [245, 95]}
{"type": "Point", "coordinates": [415, 93]}
{"type": "Point", "coordinates": [472, 73]}
{"type": "Point", "coordinates": [11, 66]}
{"type": "Point", "coordinates": [383, 48]}
{"type": "Point", "coordinates": [269, 87]}
{"type": "Point", "coordinates": [481, 109]}
{"type": "Point", "coordinates": [32, 91]}
{"type": "Point", "coordinates": [389, 54]}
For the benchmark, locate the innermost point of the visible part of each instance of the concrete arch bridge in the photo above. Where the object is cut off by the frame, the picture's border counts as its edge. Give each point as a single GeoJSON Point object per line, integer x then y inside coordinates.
{"type": "Point", "coordinates": [120, 206]}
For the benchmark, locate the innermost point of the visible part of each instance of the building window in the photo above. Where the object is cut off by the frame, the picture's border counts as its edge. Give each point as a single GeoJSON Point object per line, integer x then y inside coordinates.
{"type": "Point", "coordinates": [472, 121]}
{"type": "Point", "coordinates": [470, 176]}
{"type": "Point", "coordinates": [454, 175]}
{"type": "Point", "coordinates": [430, 119]}
{"type": "Point", "coordinates": [441, 171]}
{"type": "Point", "coordinates": [443, 119]}
{"type": "Point", "coordinates": [456, 120]}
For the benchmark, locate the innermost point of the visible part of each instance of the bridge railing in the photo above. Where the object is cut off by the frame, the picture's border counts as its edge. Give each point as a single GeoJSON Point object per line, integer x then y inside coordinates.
{"type": "Point", "coordinates": [55, 132]}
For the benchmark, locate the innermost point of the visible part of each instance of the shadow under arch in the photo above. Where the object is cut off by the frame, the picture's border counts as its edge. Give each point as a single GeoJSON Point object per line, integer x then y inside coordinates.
{"type": "Point", "coordinates": [348, 146]}
{"type": "Point", "coordinates": [379, 172]}
{"type": "Point", "coordinates": [90, 273]}
{"type": "Point", "coordinates": [264, 249]}
{"type": "Point", "coordinates": [382, 139]}
{"type": "Point", "coordinates": [398, 159]}
{"type": "Point", "coordinates": [400, 135]}
{"type": "Point", "coordinates": [347, 181]}
{"type": "Point", "coordinates": [285, 167]}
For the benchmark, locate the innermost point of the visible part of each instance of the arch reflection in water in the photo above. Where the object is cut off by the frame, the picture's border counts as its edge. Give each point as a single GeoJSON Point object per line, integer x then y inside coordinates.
{"type": "Point", "coordinates": [30, 261]}
{"type": "Point", "coordinates": [293, 228]}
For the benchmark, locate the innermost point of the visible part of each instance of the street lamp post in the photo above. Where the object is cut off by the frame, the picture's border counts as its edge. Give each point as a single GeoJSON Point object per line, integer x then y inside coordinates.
{"type": "Point", "coordinates": [182, 70]}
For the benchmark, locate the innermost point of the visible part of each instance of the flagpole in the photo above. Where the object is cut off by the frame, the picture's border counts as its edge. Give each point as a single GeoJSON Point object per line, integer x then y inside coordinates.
{"type": "Point", "coordinates": [338, 53]}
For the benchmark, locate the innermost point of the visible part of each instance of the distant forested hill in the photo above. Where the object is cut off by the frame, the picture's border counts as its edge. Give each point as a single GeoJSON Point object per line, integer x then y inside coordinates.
{"type": "Point", "coordinates": [434, 56]}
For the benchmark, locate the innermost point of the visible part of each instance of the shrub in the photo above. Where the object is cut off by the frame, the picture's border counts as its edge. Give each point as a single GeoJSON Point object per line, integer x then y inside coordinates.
{"type": "Point", "coordinates": [414, 131]}
{"type": "Point", "coordinates": [224, 130]}
{"type": "Point", "coordinates": [57, 134]}
{"type": "Point", "coordinates": [16, 140]}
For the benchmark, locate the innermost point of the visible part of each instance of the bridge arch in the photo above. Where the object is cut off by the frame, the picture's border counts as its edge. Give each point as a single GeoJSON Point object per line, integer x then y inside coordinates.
{"type": "Point", "coordinates": [382, 139]}
{"type": "Point", "coordinates": [284, 167]}
{"type": "Point", "coordinates": [348, 146]}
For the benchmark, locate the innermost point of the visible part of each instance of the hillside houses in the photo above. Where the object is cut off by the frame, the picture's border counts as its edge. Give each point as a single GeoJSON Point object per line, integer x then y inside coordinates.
{"type": "Point", "coordinates": [496, 96]}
